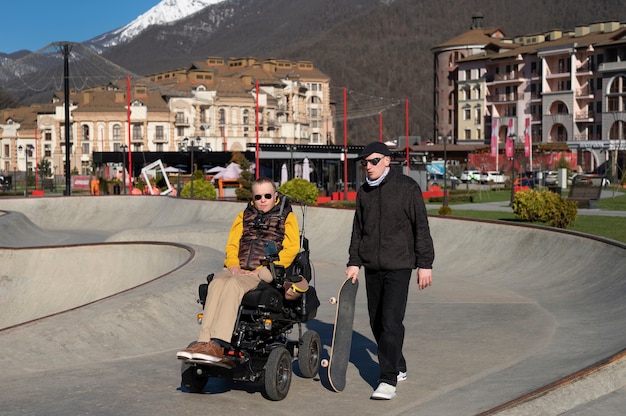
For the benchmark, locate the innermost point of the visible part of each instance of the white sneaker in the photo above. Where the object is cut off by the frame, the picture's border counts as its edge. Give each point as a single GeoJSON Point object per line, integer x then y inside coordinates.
{"type": "Point", "coordinates": [384, 392]}
{"type": "Point", "coordinates": [401, 376]}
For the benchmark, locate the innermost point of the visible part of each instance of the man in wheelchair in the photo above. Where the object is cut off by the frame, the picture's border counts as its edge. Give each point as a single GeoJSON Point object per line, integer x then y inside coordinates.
{"type": "Point", "coordinates": [267, 222]}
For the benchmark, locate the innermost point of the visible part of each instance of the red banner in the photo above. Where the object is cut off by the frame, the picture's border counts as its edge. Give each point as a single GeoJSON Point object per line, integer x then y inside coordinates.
{"type": "Point", "coordinates": [494, 138]}
{"type": "Point", "coordinates": [510, 145]}
{"type": "Point", "coordinates": [527, 145]}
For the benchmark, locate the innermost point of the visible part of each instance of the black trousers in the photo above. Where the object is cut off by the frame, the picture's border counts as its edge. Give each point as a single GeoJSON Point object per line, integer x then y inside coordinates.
{"type": "Point", "coordinates": [387, 292]}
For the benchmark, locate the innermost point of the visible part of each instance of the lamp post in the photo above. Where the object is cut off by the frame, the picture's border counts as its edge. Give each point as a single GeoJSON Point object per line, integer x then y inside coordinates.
{"type": "Point", "coordinates": [192, 146]}
{"type": "Point", "coordinates": [445, 169]}
{"type": "Point", "coordinates": [123, 148]}
{"type": "Point", "coordinates": [344, 160]}
{"type": "Point", "coordinates": [26, 149]}
{"type": "Point", "coordinates": [291, 148]}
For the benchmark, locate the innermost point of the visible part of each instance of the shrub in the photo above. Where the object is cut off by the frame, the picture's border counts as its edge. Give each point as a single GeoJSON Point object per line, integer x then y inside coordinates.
{"type": "Point", "coordinates": [544, 206]}
{"type": "Point", "coordinates": [202, 189]}
{"type": "Point", "coordinates": [445, 210]}
{"type": "Point", "coordinates": [300, 189]}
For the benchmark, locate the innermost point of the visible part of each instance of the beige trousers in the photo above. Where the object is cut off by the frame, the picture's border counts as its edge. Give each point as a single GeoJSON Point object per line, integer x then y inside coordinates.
{"type": "Point", "coordinates": [222, 304]}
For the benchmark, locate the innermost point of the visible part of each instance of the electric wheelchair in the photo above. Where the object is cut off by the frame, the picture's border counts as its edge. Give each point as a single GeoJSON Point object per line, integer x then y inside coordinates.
{"type": "Point", "coordinates": [260, 350]}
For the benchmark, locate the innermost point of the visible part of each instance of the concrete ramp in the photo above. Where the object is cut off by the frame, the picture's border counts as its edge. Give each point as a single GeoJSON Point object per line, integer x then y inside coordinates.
{"type": "Point", "coordinates": [39, 282]}
{"type": "Point", "coordinates": [516, 314]}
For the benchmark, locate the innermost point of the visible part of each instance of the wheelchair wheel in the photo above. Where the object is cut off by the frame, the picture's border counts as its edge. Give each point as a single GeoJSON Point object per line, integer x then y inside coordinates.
{"type": "Point", "coordinates": [309, 354]}
{"type": "Point", "coordinates": [191, 380]}
{"type": "Point", "coordinates": [278, 374]}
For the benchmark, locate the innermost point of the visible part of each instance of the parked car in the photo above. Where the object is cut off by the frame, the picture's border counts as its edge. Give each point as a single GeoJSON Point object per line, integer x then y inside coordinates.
{"type": "Point", "coordinates": [550, 178]}
{"type": "Point", "coordinates": [595, 180]}
{"type": "Point", "coordinates": [472, 176]}
{"type": "Point", "coordinates": [436, 179]}
{"type": "Point", "coordinates": [492, 176]}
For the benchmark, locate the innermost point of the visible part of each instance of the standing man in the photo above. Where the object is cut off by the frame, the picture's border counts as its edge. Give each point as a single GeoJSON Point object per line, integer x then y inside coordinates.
{"type": "Point", "coordinates": [390, 238]}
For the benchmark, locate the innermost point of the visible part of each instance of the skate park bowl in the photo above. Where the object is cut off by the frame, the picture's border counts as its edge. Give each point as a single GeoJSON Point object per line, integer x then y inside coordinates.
{"type": "Point", "coordinates": [98, 293]}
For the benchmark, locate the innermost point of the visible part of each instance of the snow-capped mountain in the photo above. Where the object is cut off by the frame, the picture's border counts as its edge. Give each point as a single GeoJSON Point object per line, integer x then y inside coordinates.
{"type": "Point", "coordinates": [166, 12]}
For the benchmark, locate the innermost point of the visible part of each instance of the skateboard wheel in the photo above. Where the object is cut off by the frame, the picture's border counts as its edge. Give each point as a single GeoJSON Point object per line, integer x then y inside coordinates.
{"type": "Point", "coordinates": [332, 300]}
{"type": "Point", "coordinates": [324, 363]}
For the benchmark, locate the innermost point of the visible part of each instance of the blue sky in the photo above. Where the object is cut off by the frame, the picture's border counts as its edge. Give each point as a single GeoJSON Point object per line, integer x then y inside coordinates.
{"type": "Point", "coordinates": [33, 24]}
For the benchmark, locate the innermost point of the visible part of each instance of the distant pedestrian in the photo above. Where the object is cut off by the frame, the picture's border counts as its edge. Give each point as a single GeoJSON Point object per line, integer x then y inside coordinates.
{"type": "Point", "coordinates": [390, 238]}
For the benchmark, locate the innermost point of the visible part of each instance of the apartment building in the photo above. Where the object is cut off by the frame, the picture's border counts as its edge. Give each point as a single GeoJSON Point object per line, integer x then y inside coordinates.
{"type": "Point", "coordinates": [214, 102]}
{"type": "Point", "coordinates": [564, 89]}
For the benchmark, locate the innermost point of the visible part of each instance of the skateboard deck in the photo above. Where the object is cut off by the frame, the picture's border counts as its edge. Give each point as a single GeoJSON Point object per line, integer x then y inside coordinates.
{"type": "Point", "coordinates": [342, 334]}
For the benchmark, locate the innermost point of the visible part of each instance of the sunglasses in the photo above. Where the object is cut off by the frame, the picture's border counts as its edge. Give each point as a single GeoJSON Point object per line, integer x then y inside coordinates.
{"type": "Point", "coordinates": [266, 196]}
{"type": "Point", "coordinates": [374, 161]}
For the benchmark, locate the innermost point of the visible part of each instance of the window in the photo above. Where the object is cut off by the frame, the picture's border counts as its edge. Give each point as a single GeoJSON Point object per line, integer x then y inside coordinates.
{"type": "Point", "coordinates": [479, 115]}
{"type": "Point", "coordinates": [468, 134]}
{"type": "Point", "coordinates": [467, 114]}
{"type": "Point", "coordinates": [117, 133]}
{"type": "Point", "coordinates": [47, 150]}
{"type": "Point", "coordinates": [468, 74]}
{"type": "Point", "coordinates": [159, 133]}
{"type": "Point", "coordinates": [47, 135]}
{"type": "Point", "coordinates": [222, 116]}
{"type": "Point", "coordinates": [85, 148]}
{"type": "Point", "coordinates": [246, 117]}
{"type": "Point", "coordinates": [137, 132]}
{"type": "Point", "coordinates": [7, 150]}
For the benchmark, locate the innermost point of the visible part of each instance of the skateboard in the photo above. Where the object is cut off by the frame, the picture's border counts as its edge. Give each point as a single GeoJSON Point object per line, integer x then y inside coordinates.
{"type": "Point", "coordinates": [342, 335]}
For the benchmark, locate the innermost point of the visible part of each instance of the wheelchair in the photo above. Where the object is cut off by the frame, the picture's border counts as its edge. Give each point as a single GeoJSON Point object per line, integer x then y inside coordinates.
{"type": "Point", "coordinates": [260, 350]}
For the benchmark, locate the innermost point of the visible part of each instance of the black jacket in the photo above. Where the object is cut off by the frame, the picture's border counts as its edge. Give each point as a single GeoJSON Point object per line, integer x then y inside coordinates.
{"type": "Point", "coordinates": [390, 229]}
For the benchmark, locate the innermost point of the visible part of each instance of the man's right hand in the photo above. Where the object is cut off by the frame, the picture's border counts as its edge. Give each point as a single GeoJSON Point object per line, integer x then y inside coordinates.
{"type": "Point", "coordinates": [352, 272]}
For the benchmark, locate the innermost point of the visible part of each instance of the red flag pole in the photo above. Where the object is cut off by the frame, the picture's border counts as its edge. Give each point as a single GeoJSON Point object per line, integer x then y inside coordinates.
{"type": "Point", "coordinates": [130, 153]}
{"type": "Point", "coordinates": [256, 161]}
{"type": "Point", "coordinates": [345, 143]}
{"type": "Point", "coordinates": [36, 162]}
{"type": "Point", "coordinates": [406, 135]}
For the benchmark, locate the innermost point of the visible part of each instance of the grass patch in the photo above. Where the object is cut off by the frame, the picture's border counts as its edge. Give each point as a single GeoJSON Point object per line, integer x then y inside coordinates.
{"type": "Point", "coordinates": [608, 227]}
{"type": "Point", "coordinates": [616, 203]}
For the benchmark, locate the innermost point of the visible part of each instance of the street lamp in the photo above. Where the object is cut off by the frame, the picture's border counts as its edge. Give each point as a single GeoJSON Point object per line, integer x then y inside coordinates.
{"type": "Point", "coordinates": [291, 148]}
{"type": "Point", "coordinates": [26, 149]}
{"type": "Point", "coordinates": [344, 159]}
{"type": "Point", "coordinates": [445, 169]}
{"type": "Point", "coordinates": [123, 148]}
{"type": "Point", "coordinates": [192, 146]}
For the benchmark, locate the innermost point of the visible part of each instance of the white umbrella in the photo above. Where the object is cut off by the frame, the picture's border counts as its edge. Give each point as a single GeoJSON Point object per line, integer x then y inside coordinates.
{"type": "Point", "coordinates": [306, 170]}
{"type": "Point", "coordinates": [284, 176]}
{"type": "Point", "coordinates": [172, 169]}
{"type": "Point", "coordinates": [232, 172]}
{"type": "Point", "coordinates": [216, 169]}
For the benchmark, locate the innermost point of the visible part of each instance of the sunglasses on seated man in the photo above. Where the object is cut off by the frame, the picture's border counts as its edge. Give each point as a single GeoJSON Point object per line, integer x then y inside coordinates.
{"type": "Point", "coordinates": [266, 196]}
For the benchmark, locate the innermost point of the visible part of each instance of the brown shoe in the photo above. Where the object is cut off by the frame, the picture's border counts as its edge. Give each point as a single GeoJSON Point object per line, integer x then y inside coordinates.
{"type": "Point", "coordinates": [188, 352]}
{"type": "Point", "coordinates": [209, 351]}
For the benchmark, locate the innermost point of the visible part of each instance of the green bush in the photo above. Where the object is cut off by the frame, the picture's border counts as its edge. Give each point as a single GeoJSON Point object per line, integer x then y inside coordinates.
{"type": "Point", "coordinates": [300, 189]}
{"type": "Point", "coordinates": [202, 189]}
{"type": "Point", "coordinates": [445, 210]}
{"type": "Point", "coordinates": [544, 206]}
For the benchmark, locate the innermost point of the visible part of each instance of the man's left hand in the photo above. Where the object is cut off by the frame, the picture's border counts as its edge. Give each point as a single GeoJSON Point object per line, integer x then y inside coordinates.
{"type": "Point", "coordinates": [424, 278]}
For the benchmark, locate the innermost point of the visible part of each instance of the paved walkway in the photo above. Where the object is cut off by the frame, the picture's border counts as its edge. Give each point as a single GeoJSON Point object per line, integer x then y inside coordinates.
{"type": "Point", "coordinates": [513, 310]}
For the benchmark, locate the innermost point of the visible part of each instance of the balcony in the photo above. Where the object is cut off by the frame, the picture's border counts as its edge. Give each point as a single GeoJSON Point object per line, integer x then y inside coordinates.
{"type": "Point", "coordinates": [584, 115]}
{"type": "Point", "coordinates": [159, 138]}
{"type": "Point", "coordinates": [180, 121]}
{"type": "Point", "coordinates": [503, 98]}
{"type": "Point", "coordinates": [612, 66]}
